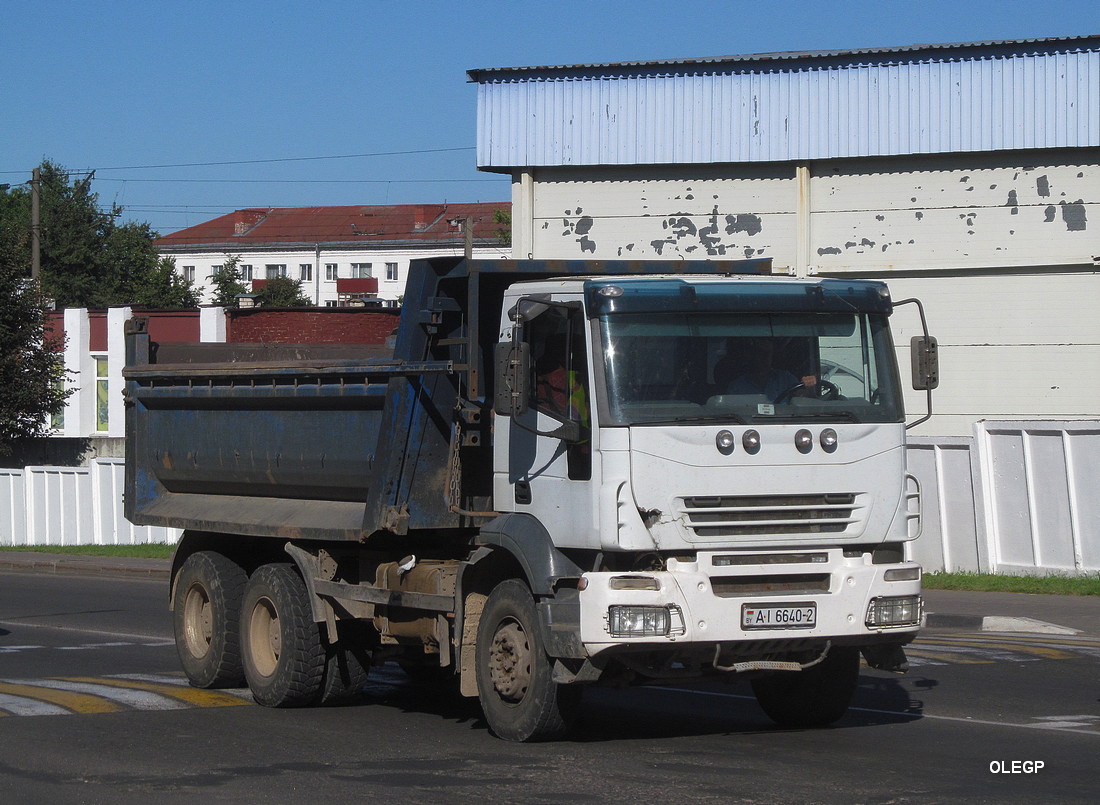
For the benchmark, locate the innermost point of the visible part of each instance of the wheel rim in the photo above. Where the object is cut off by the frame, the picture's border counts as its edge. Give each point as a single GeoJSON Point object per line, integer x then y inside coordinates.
{"type": "Point", "coordinates": [265, 639]}
{"type": "Point", "coordinates": [198, 629]}
{"type": "Point", "coordinates": [510, 661]}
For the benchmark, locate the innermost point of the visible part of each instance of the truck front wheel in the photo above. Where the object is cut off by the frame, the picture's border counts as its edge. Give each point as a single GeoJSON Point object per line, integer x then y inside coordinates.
{"type": "Point", "coordinates": [518, 695]}
{"type": "Point", "coordinates": [815, 697]}
{"type": "Point", "coordinates": [206, 612]}
{"type": "Point", "coordinates": [284, 661]}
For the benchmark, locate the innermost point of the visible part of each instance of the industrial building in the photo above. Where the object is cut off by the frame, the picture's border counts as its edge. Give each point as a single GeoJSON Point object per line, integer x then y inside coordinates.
{"type": "Point", "coordinates": [967, 175]}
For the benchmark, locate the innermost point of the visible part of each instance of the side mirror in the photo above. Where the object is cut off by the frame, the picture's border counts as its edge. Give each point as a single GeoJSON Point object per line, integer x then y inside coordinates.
{"type": "Point", "coordinates": [925, 355]}
{"type": "Point", "coordinates": [511, 395]}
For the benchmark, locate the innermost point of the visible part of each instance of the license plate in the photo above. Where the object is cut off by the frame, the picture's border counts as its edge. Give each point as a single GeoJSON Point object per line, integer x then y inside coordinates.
{"type": "Point", "coordinates": [778, 616]}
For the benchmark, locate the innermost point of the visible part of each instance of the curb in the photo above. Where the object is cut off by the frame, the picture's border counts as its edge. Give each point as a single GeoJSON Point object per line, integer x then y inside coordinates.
{"type": "Point", "coordinates": [152, 569]}
{"type": "Point", "coordinates": [997, 623]}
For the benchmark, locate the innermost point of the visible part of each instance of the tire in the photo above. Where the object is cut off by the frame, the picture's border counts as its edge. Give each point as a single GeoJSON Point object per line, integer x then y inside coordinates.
{"type": "Point", "coordinates": [815, 697]}
{"type": "Point", "coordinates": [284, 661]}
{"type": "Point", "coordinates": [519, 698]}
{"type": "Point", "coordinates": [206, 620]}
{"type": "Point", "coordinates": [347, 664]}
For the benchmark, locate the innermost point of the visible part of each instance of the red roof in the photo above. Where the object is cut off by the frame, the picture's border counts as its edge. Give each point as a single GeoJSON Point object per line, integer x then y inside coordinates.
{"type": "Point", "coordinates": [422, 224]}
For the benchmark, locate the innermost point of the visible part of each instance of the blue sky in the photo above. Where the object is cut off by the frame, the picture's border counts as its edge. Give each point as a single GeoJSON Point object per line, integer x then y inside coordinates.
{"type": "Point", "coordinates": [130, 87]}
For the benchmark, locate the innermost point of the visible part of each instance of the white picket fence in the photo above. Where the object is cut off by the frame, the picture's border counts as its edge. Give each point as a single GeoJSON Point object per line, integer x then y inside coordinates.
{"type": "Point", "coordinates": [70, 506]}
{"type": "Point", "coordinates": [1019, 498]}
{"type": "Point", "coordinates": [1016, 498]}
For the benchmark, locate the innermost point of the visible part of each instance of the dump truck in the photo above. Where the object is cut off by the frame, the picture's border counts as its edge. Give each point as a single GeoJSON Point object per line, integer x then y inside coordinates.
{"type": "Point", "coordinates": [563, 474]}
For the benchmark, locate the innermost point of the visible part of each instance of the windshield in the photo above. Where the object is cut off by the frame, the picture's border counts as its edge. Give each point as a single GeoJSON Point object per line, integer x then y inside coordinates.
{"type": "Point", "coordinates": [749, 367]}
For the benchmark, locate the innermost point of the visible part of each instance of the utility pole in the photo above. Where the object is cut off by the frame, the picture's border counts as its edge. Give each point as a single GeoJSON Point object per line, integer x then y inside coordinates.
{"type": "Point", "coordinates": [36, 224]}
{"type": "Point", "coordinates": [468, 228]}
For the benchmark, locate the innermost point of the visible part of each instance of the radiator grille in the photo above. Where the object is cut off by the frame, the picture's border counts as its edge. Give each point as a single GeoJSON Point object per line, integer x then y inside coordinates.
{"type": "Point", "coordinates": [766, 515]}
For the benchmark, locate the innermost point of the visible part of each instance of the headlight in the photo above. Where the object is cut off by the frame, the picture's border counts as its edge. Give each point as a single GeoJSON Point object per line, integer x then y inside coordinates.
{"type": "Point", "coordinates": [635, 621]}
{"type": "Point", "coordinates": [804, 441]}
{"type": "Point", "coordinates": [724, 441]}
{"type": "Point", "coordinates": [901, 610]}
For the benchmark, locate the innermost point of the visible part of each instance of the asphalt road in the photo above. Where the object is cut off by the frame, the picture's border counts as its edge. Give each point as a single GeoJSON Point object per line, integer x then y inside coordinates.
{"type": "Point", "coordinates": [96, 711]}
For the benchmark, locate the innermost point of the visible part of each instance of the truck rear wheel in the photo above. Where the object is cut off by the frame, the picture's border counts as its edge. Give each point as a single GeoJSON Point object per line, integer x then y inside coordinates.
{"type": "Point", "coordinates": [815, 697]}
{"type": "Point", "coordinates": [518, 695]}
{"type": "Point", "coordinates": [284, 661]}
{"type": "Point", "coordinates": [206, 619]}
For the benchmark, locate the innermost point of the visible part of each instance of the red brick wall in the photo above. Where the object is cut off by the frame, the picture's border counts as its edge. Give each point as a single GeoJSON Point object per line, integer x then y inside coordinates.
{"type": "Point", "coordinates": [172, 325]}
{"type": "Point", "coordinates": [311, 326]}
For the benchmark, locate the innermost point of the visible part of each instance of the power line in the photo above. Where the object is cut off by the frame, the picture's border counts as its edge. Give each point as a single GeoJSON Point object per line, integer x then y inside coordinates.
{"type": "Point", "coordinates": [308, 181]}
{"type": "Point", "coordinates": [268, 161]}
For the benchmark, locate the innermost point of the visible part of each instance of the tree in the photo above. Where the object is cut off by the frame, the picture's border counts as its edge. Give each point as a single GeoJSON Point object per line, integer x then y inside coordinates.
{"type": "Point", "coordinates": [226, 282]}
{"type": "Point", "coordinates": [32, 368]}
{"type": "Point", "coordinates": [88, 259]}
{"type": "Point", "coordinates": [504, 218]}
{"type": "Point", "coordinates": [283, 292]}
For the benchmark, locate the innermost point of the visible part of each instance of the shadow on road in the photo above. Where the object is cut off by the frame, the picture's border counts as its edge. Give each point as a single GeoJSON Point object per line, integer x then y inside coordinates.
{"type": "Point", "coordinates": [646, 713]}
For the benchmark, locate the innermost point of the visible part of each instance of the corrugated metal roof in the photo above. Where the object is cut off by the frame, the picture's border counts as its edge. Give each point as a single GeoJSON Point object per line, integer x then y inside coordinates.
{"type": "Point", "coordinates": [908, 52]}
{"type": "Point", "coordinates": [404, 224]}
{"type": "Point", "coordinates": [1021, 94]}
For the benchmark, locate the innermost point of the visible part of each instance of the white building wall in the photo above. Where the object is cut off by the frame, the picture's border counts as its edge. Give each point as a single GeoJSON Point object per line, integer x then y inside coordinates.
{"type": "Point", "coordinates": [320, 289]}
{"type": "Point", "coordinates": [999, 247]}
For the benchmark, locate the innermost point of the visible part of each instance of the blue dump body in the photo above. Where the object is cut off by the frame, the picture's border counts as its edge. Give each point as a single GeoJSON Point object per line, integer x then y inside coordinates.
{"type": "Point", "coordinates": [340, 449]}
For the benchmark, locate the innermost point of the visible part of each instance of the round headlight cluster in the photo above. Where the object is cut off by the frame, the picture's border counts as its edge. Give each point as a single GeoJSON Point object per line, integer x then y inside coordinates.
{"type": "Point", "coordinates": [726, 441]}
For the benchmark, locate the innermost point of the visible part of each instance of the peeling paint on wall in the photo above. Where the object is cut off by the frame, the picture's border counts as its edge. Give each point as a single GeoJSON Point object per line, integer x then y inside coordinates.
{"type": "Point", "coordinates": [1074, 216]}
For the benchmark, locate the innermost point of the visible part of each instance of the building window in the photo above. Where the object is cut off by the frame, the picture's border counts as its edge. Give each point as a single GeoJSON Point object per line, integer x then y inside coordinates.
{"type": "Point", "coordinates": [246, 273]}
{"type": "Point", "coordinates": [331, 303]}
{"type": "Point", "coordinates": [360, 271]}
{"type": "Point", "coordinates": [189, 273]}
{"type": "Point", "coordinates": [101, 396]}
{"type": "Point", "coordinates": [305, 272]}
{"type": "Point", "coordinates": [391, 271]}
{"type": "Point", "coordinates": [330, 272]}
{"type": "Point", "coordinates": [275, 271]}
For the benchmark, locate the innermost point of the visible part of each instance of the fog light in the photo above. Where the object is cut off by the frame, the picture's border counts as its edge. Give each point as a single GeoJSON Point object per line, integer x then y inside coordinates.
{"type": "Point", "coordinates": [829, 440]}
{"type": "Point", "coordinates": [804, 441]}
{"type": "Point", "coordinates": [903, 610]}
{"type": "Point", "coordinates": [639, 621]}
{"type": "Point", "coordinates": [902, 574]}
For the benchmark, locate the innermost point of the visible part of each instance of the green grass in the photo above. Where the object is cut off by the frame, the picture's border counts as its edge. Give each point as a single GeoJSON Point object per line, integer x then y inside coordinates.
{"type": "Point", "coordinates": [142, 551]}
{"type": "Point", "coordinates": [996, 583]}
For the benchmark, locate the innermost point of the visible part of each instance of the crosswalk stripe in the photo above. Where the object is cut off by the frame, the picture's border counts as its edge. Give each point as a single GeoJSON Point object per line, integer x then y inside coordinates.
{"type": "Point", "coordinates": [20, 706]}
{"type": "Point", "coordinates": [137, 699]}
{"type": "Point", "coordinates": [946, 656]}
{"type": "Point", "coordinates": [195, 696]}
{"type": "Point", "coordinates": [1023, 648]}
{"type": "Point", "coordinates": [76, 702]}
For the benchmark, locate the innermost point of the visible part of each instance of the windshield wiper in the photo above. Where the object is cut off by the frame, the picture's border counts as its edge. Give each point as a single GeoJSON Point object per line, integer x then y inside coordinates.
{"type": "Point", "coordinates": [846, 416]}
{"type": "Point", "coordinates": [715, 417]}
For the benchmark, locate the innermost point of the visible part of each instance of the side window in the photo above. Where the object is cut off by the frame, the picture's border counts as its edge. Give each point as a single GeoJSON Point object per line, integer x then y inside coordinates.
{"type": "Point", "coordinates": [560, 381]}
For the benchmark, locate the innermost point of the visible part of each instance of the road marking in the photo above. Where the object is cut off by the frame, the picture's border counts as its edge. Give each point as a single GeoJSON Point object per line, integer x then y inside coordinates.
{"type": "Point", "coordinates": [944, 658]}
{"type": "Point", "coordinates": [76, 702]}
{"type": "Point", "coordinates": [1054, 726]}
{"type": "Point", "coordinates": [941, 649]}
{"type": "Point", "coordinates": [86, 646]}
{"type": "Point", "coordinates": [134, 698]}
{"type": "Point", "coordinates": [20, 706]}
{"type": "Point", "coordinates": [84, 694]}
{"type": "Point", "coordinates": [195, 696]}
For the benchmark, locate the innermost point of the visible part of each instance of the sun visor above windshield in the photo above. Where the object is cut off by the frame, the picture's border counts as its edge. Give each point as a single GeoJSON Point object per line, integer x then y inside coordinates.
{"type": "Point", "coordinates": [630, 295]}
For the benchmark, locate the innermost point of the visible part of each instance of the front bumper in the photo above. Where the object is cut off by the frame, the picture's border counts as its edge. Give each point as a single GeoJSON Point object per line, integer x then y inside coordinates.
{"type": "Point", "coordinates": [705, 599]}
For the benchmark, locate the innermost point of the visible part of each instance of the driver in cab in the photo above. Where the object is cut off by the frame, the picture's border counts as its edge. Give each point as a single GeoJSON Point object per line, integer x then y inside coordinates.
{"type": "Point", "coordinates": [763, 377]}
